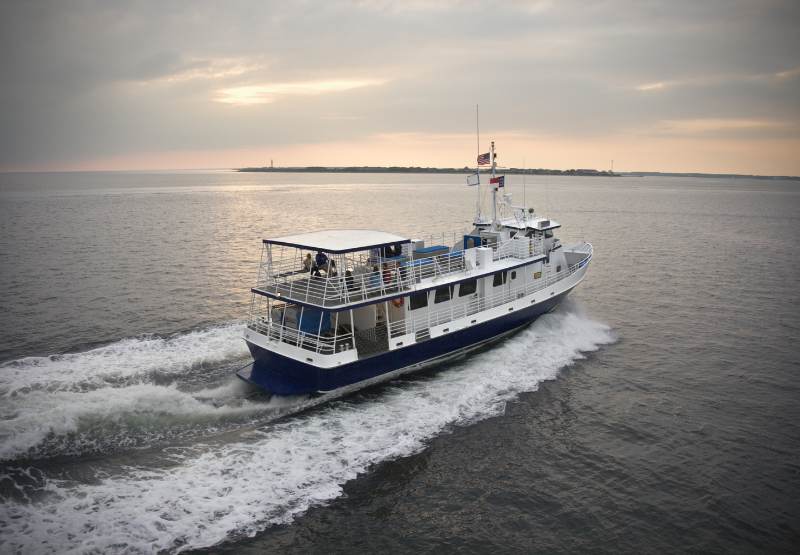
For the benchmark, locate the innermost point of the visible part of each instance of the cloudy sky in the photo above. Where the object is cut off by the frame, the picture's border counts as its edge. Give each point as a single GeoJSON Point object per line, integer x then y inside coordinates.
{"type": "Point", "coordinates": [708, 86]}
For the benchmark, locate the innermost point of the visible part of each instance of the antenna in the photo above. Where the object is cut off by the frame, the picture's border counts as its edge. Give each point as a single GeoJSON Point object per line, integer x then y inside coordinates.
{"type": "Point", "coordinates": [524, 184]}
{"type": "Point", "coordinates": [478, 133]}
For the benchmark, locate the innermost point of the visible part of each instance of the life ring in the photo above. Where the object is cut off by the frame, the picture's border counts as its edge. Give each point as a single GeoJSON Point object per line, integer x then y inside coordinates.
{"type": "Point", "coordinates": [398, 302]}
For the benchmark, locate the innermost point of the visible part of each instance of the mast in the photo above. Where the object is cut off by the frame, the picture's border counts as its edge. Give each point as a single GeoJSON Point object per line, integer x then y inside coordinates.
{"type": "Point", "coordinates": [478, 215]}
{"type": "Point", "coordinates": [494, 189]}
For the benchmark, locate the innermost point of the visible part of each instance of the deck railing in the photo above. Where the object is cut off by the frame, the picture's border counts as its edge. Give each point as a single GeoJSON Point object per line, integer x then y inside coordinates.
{"type": "Point", "coordinates": [394, 275]}
{"type": "Point", "coordinates": [477, 304]}
{"type": "Point", "coordinates": [322, 344]}
{"type": "Point", "coordinates": [329, 344]}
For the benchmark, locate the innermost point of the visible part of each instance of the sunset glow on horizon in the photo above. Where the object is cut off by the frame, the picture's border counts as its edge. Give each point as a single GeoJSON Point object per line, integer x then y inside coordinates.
{"type": "Point", "coordinates": [676, 87]}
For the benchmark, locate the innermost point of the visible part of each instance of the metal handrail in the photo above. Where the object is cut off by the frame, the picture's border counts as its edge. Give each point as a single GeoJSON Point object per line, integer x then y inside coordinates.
{"type": "Point", "coordinates": [401, 276]}
{"type": "Point", "coordinates": [447, 238]}
{"type": "Point", "coordinates": [478, 304]}
{"type": "Point", "coordinates": [325, 345]}
{"type": "Point", "coordinates": [332, 344]}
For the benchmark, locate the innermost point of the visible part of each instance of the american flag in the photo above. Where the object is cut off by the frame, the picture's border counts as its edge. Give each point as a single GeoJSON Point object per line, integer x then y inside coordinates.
{"type": "Point", "coordinates": [499, 181]}
{"type": "Point", "coordinates": [483, 159]}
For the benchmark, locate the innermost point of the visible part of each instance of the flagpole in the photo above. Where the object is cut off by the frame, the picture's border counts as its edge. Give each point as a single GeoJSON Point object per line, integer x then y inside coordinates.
{"type": "Point", "coordinates": [494, 189]}
{"type": "Point", "coordinates": [478, 216]}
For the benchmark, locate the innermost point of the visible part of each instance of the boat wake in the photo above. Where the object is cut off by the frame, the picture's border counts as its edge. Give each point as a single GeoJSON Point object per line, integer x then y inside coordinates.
{"type": "Point", "coordinates": [131, 393]}
{"type": "Point", "coordinates": [125, 362]}
{"type": "Point", "coordinates": [217, 490]}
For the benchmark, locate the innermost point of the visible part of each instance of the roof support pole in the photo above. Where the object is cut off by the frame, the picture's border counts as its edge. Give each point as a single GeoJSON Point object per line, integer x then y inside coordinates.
{"type": "Point", "coordinates": [319, 332]}
{"type": "Point", "coordinates": [353, 331]}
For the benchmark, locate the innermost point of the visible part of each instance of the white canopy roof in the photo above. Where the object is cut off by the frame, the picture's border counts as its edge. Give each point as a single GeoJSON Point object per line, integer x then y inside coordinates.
{"type": "Point", "coordinates": [339, 240]}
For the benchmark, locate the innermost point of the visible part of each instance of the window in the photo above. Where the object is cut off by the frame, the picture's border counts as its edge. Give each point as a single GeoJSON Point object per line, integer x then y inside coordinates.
{"type": "Point", "coordinates": [443, 294]}
{"type": "Point", "coordinates": [548, 233]}
{"type": "Point", "coordinates": [512, 233]}
{"type": "Point", "coordinates": [418, 300]}
{"type": "Point", "coordinates": [513, 275]}
{"type": "Point", "coordinates": [537, 275]}
{"type": "Point", "coordinates": [498, 279]}
{"type": "Point", "coordinates": [558, 268]}
{"type": "Point", "coordinates": [467, 288]}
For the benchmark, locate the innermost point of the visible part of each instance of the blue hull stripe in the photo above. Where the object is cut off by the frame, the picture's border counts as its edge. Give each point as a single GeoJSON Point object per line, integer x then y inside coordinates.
{"type": "Point", "coordinates": [285, 376]}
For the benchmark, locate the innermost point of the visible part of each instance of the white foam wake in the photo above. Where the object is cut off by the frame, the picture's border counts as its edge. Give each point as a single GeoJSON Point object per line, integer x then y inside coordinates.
{"type": "Point", "coordinates": [123, 361]}
{"type": "Point", "coordinates": [242, 487]}
{"type": "Point", "coordinates": [69, 423]}
{"type": "Point", "coordinates": [106, 397]}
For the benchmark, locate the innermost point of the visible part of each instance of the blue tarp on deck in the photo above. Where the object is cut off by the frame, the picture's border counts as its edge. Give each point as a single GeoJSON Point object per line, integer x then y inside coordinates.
{"type": "Point", "coordinates": [311, 320]}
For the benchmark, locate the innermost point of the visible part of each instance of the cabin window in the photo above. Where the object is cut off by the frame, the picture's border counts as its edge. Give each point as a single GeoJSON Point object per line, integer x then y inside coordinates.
{"type": "Point", "coordinates": [513, 275]}
{"type": "Point", "coordinates": [498, 279]}
{"type": "Point", "coordinates": [467, 288]}
{"type": "Point", "coordinates": [558, 268]}
{"type": "Point", "coordinates": [418, 300]}
{"type": "Point", "coordinates": [443, 294]}
{"type": "Point", "coordinates": [537, 275]}
{"type": "Point", "coordinates": [548, 233]}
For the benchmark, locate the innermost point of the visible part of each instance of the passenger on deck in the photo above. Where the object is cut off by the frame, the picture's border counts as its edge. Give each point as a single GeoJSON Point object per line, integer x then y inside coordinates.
{"type": "Point", "coordinates": [332, 269]}
{"type": "Point", "coordinates": [374, 282]}
{"type": "Point", "coordinates": [391, 251]}
{"type": "Point", "coordinates": [388, 275]}
{"type": "Point", "coordinates": [308, 263]}
{"type": "Point", "coordinates": [320, 263]}
{"type": "Point", "coordinates": [350, 283]}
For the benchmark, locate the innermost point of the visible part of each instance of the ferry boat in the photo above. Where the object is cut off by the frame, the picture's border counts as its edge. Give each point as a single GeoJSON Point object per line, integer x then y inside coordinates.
{"type": "Point", "coordinates": [341, 309]}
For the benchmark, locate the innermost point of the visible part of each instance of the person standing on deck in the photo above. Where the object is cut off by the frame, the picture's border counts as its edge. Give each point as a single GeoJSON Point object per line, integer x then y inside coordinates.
{"type": "Point", "coordinates": [374, 281]}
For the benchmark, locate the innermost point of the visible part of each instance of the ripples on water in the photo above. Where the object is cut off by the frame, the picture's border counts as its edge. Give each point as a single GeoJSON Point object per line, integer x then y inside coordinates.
{"type": "Point", "coordinates": [123, 428]}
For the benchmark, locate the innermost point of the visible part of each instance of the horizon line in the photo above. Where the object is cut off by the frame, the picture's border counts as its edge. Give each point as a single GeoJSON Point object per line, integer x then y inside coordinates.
{"type": "Point", "coordinates": [268, 169]}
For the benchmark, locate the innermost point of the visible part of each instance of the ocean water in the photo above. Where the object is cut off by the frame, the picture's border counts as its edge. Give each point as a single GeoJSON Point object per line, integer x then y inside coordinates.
{"type": "Point", "coordinates": [657, 410]}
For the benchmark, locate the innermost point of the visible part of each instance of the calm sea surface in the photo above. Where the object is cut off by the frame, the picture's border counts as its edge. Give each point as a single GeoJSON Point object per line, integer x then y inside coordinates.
{"type": "Point", "coordinates": [657, 410]}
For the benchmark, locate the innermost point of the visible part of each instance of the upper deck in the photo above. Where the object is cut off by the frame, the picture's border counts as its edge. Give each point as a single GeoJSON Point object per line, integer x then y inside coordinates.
{"type": "Point", "coordinates": [361, 266]}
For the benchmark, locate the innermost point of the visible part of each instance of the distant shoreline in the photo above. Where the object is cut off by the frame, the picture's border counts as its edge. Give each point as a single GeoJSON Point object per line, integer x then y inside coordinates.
{"type": "Point", "coordinates": [506, 171]}
{"type": "Point", "coordinates": [417, 169]}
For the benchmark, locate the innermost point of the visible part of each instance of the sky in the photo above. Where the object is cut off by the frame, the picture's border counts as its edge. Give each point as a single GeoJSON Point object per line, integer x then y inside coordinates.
{"type": "Point", "coordinates": [675, 86]}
